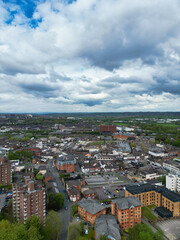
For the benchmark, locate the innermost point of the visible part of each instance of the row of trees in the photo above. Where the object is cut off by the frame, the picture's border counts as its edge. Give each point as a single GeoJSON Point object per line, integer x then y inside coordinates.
{"type": "Point", "coordinates": [32, 229]}
{"type": "Point", "coordinates": [21, 155]}
{"type": "Point", "coordinates": [55, 202]}
{"type": "Point", "coordinates": [143, 231]}
{"type": "Point", "coordinates": [76, 232]}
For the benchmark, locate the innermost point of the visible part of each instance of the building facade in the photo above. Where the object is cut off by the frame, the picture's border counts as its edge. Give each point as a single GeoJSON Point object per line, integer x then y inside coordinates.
{"type": "Point", "coordinates": [108, 129]}
{"type": "Point", "coordinates": [173, 182]}
{"type": "Point", "coordinates": [155, 195]}
{"type": "Point", "coordinates": [127, 210]}
{"type": "Point", "coordinates": [89, 193]}
{"type": "Point", "coordinates": [5, 172]}
{"type": "Point", "coordinates": [90, 209]}
{"type": "Point", "coordinates": [65, 163]}
{"type": "Point", "coordinates": [172, 166]}
{"type": "Point", "coordinates": [28, 199]}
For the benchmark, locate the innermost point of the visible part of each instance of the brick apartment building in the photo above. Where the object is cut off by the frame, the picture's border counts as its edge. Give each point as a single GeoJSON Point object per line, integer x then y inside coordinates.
{"type": "Point", "coordinates": [5, 172]}
{"type": "Point", "coordinates": [155, 195]}
{"type": "Point", "coordinates": [65, 163]}
{"type": "Point", "coordinates": [28, 199]}
{"type": "Point", "coordinates": [107, 129]}
{"type": "Point", "coordinates": [90, 209]}
{"type": "Point", "coordinates": [127, 210]}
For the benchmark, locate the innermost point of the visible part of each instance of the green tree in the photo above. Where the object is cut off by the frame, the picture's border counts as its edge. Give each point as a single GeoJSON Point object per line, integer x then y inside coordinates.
{"type": "Point", "coordinates": [162, 179]}
{"type": "Point", "coordinates": [103, 237]}
{"type": "Point", "coordinates": [6, 230]}
{"type": "Point", "coordinates": [59, 201]}
{"type": "Point", "coordinates": [74, 209]}
{"type": "Point", "coordinates": [53, 226]}
{"type": "Point", "coordinates": [21, 155]}
{"type": "Point", "coordinates": [139, 231]}
{"type": "Point", "coordinates": [33, 233]}
{"type": "Point", "coordinates": [33, 222]}
{"type": "Point", "coordinates": [74, 231]}
{"type": "Point", "coordinates": [159, 235]}
{"type": "Point", "coordinates": [143, 231]}
{"type": "Point", "coordinates": [55, 202]}
{"type": "Point", "coordinates": [18, 231]}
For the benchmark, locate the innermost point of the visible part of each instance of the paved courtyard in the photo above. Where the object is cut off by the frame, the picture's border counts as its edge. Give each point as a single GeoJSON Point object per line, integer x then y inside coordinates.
{"type": "Point", "coordinates": [171, 228]}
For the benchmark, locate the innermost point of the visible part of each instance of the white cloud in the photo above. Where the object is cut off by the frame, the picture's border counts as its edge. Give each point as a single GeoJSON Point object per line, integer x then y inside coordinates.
{"type": "Point", "coordinates": [91, 56]}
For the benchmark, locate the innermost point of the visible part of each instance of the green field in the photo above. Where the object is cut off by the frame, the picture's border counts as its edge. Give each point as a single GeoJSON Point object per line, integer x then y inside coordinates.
{"type": "Point", "coordinates": [152, 207]}
{"type": "Point", "coordinates": [170, 125]}
{"type": "Point", "coordinates": [146, 212]}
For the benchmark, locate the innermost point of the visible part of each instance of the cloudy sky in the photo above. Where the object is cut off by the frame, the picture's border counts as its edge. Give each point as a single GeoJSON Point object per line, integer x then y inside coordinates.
{"type": "Point", "coordinates": [89, 55]}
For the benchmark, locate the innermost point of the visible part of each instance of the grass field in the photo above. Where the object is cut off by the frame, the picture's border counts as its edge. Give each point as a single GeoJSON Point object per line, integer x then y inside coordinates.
{"type": "Point", "coordinates": [121, 124]}
{"type": "Point", "coordinates": [170, 125]}
{"type": "Point", "coordinates": [152, 207]}
{"type": "Point", "coordinates": [98, 143]}
{"type": "Point", "coordinates": [146, 212]}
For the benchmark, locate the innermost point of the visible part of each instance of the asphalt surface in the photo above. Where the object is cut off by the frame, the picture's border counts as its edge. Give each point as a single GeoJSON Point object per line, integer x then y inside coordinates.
{"type": "Point", "coordinates": [171, 228]}
{"type": "Point", "coordinates": [64, 214]}
{"type": "Point", "coordinates": [2, 201]}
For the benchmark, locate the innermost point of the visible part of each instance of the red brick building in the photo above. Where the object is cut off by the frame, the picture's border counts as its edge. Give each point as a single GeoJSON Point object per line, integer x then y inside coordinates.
{"type": "Point", "coordinates": [89, 193]}
{"type": "Point", "coordinates": [28, 199]}
{"type": "Point", "coordinates": [90, 209]}
{"type": "Point", "coordinates": [107, 129]}
{"type": "Point", "coordinates": [74, 194]}
{"type": "Point", "coordinates": [127, 210]}
{"type": "Point", "coordinates": [74, 183]}
{"type": "Point", "coordinates": [5, 172]}
{"type": "Point", "coordinates": [65, 163]}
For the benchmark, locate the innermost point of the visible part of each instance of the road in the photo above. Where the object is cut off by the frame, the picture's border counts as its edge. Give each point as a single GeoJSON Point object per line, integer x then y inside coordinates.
{"type": "Point", "coordinates": [65, 214]}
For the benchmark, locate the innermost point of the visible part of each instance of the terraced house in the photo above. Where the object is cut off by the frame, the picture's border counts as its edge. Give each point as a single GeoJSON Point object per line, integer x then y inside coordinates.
{"type": "Point", "coordinates": [155, 195]}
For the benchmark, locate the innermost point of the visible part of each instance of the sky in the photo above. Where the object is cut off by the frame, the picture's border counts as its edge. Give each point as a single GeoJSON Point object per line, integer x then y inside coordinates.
{"type": "Point", "coordinates": [89, 55]}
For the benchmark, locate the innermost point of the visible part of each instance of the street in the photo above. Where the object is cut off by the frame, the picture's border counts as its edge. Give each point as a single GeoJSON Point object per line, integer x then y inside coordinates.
{"type": "Point", "coordinates": [65, 214]}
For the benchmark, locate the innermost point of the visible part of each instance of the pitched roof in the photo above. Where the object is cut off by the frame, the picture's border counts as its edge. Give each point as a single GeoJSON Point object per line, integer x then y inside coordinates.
{"type": "Point", "coordinates": [128, 202]}
{"type": "Point", "coordinates": [74, 191]}
{"type": "Point", "coordinates": [107, 225]}
{"type": "Point", "coordinates": [72, 183]}
{"type": "Point", "coordinates": [91, 206]}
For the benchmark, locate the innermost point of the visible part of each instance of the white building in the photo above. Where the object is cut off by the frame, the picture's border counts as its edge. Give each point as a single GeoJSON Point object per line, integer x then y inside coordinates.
{"type": "Point", "coordinates": [173, 182]}
{"type": "Point", "coordinates": [172, 166]}
{"type": "Point", "coordinates": [157, 153]}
